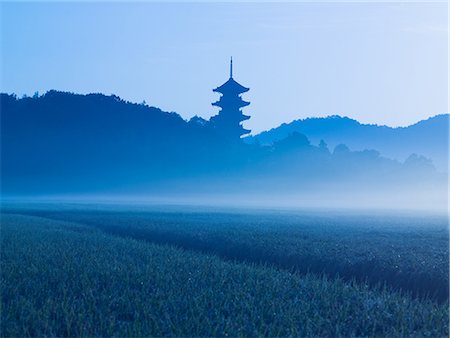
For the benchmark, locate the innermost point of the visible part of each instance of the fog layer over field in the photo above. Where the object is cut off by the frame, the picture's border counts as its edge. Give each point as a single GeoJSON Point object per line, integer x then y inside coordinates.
{"type": "Point", "coordinates": [433, 200]}
{"type": "Point", "coordinates": [97, 147]}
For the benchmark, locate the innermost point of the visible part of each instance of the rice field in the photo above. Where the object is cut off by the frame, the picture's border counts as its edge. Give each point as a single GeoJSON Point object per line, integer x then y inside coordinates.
{"type": "Point", "coordinates": [406, 252]}
{"type": "Point", "coordinates": [101, 272]}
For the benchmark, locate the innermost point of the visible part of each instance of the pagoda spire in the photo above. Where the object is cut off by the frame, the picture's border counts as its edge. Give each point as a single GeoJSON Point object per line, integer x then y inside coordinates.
{"type": "Point", "coordinates": [231, 67]}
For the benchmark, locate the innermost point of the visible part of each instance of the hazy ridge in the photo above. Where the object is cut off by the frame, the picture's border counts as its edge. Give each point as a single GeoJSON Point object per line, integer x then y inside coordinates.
{"type": "Point", "coordinates": [65, 143]}
{"type": "Point", "coordinates": [427, 137]}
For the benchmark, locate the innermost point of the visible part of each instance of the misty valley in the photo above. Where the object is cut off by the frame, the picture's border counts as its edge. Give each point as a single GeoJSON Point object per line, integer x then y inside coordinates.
{"type": "Point", "coordinates": [74, 145]}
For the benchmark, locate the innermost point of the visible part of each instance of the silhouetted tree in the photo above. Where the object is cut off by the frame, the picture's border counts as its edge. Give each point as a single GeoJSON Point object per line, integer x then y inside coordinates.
{"type": "Point", "coordinates": [341, 149]}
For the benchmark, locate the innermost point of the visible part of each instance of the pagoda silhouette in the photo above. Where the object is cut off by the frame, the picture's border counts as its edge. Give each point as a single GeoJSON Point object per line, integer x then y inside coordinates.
{"type": "Point", "coordinates": [228, 121]}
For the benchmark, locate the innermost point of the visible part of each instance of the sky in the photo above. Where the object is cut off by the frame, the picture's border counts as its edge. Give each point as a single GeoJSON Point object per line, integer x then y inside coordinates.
{"type": "Point", "coordinates": [377, 62]}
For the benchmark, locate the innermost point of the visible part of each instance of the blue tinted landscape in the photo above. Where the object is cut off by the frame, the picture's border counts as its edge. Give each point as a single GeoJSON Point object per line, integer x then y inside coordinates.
{"type": "Point", "coordinates": [310, 200]}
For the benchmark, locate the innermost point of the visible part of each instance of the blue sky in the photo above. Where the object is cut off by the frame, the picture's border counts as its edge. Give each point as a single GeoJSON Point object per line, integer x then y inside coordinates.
{"type": "Point", "coordinates": [378, 62]}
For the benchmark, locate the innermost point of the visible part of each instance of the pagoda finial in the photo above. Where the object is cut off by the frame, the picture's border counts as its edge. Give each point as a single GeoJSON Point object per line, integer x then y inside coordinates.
{"type": "Point", "coordinates": [231, 67]}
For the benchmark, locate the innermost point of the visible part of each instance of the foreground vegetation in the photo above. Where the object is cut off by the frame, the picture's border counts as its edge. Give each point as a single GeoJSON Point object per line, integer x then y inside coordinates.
{"type": "Point", "coordinates": [405, 252]}
{"type": "Point", "coordinates": [64, 279]}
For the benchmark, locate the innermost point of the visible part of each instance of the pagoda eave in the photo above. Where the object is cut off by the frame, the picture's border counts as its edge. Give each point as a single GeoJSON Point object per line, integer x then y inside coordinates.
{"type": "Point", "coordinates": [231, 87]}
{"type": "Point", "coordinates": [238, 104]}
{"type": "Point", "coordinates": [230, 91]}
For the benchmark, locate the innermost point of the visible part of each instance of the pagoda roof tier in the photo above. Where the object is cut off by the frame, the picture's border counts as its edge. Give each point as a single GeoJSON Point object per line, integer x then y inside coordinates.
{"type": "Point", "coordinates": [231, 86]}
{"type": "Point", "coordinates": [245, 117]}
{"type": "Point", "coordinates": [233, 118]}
{"type": "Point", "coordinates": [226, 103]}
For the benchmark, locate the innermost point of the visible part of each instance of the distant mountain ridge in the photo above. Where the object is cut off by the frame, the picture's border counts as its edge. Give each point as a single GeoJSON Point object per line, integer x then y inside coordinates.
{"type": "Point", "coordinates": [427, 137]}
{"type": "Point", "coordinates": [64, 143]}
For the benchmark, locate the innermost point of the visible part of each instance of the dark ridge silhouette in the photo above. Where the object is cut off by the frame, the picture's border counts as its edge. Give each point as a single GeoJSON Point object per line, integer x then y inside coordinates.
{"type": "Point", "coordinates": [70, 140]}
{"type": "Point", "coordinates": [428, 138]}
{"type": "Point", "coordinates": [64, 143]}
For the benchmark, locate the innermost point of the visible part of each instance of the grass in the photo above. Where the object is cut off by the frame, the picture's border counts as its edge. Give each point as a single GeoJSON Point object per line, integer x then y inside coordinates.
{"type": "Point", "coordinates": [65, 279]}
{"type": "Point", "coordinates": [408, 253]}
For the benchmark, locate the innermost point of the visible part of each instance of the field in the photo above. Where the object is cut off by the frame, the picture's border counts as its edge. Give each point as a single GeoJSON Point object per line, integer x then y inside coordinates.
{"type": "Point", "coordinates": [77, 270]}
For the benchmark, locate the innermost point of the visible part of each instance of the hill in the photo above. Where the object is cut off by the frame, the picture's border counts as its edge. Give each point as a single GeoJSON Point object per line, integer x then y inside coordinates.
{"type": "Point", "coordinates": [68, 144]}
{"type": "Point", "coordinates": [76, 141]}
{"type": "Point", "coordinates": [428, 137]}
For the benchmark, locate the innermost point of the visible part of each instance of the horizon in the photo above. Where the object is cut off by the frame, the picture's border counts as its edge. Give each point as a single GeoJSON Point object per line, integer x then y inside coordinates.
{"type": "Point", "coordinates": [298, 59]}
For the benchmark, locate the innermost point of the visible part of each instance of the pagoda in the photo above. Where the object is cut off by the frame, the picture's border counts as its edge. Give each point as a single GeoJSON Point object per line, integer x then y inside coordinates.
{"type": "Point", "coordinates": [228, 121]}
